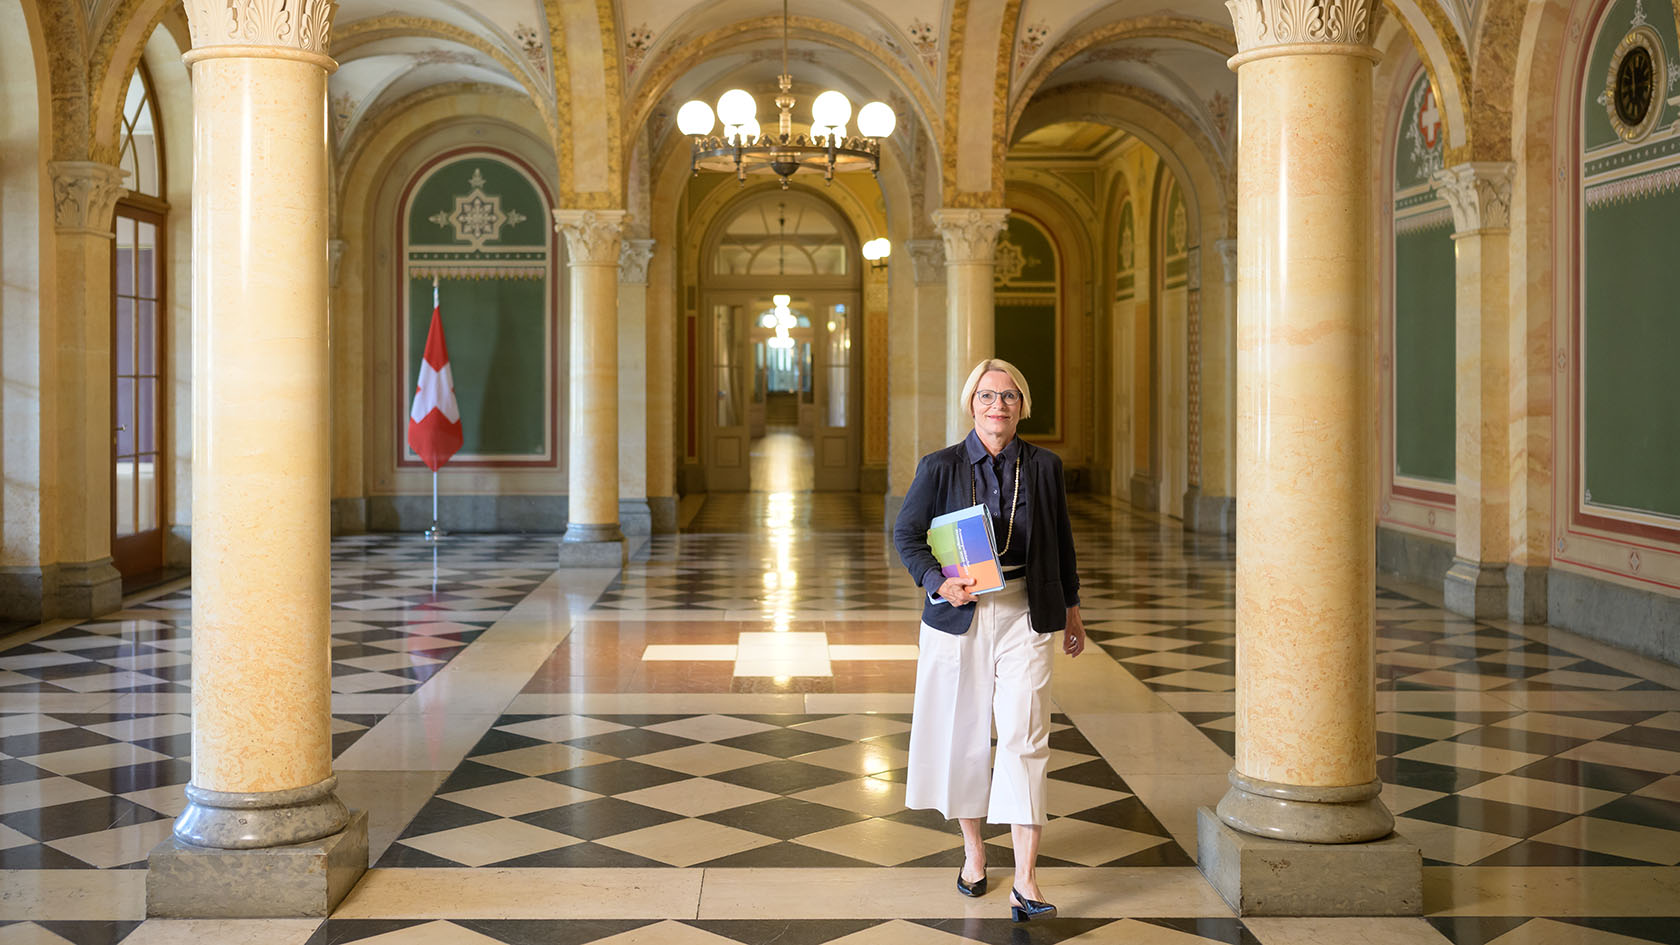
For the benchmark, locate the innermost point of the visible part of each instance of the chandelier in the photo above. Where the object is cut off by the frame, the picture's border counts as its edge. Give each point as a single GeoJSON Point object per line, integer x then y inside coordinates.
{"type": "Point", "coordinates": [743, 149]}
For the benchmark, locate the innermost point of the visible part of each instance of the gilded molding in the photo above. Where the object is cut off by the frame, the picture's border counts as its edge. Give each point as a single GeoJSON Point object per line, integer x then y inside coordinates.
{"type": "Point", "coordinates": [85, 195]}
{"type": "Point", "coordinates": [1263, 23]}
{"type": "Point", "coordinates": [592, 236]}
{"type": "Point", "coordinates": [970, 233]}
{"type": "Point", "coordinates": [1479, 193]}
{"type": "Point", "coordinates": [927, 258]}
{"type": "Point", "coordinates": [304, 25]}
{"type": "Point", "coordinates": [633, 261]}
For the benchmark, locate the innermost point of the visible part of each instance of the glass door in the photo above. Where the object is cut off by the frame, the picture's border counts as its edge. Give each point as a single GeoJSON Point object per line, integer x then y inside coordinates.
{"type": "Point", "coordinates": [728, 419]}
{"type": "Point", "coordinates": [137, 392]}
{"type": "Point", "coordinates": [836, 445]}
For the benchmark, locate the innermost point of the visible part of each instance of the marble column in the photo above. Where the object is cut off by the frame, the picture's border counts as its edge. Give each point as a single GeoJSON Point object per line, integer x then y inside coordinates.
{"type": "Point", "coordinates": [927, 260]}
{"type": "Point", "coordinates": [78, 578]}
{"type": "Point", "coordinates": [593, 240]}
{"type": "Point", "coordinates": [635, 512]}
{"type": "Point", "coordinates": [263, 833]}
{"type": "Point", "coordinates": [1480, 196]}
{"type": "Point", "coordinates": [1301, 830]}
{"type": "Point", "coordinates": [970, 236]}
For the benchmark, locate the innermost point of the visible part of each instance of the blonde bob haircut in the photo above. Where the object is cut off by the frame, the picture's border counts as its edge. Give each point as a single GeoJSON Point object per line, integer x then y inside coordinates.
{"type": "Point", "coordinates": [996, 364]}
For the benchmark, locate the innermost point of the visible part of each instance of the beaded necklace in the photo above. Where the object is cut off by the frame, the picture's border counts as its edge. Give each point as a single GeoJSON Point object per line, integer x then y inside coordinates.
{"type": "Point", "coordinates": [974, 498]}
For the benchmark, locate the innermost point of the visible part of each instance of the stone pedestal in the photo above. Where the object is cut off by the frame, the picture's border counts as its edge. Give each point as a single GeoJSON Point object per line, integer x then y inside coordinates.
{"type": "Point", "coordinates": [301, 879]}
{"type": "Point", "coordinates": [1475, 589]}
{"type": "Point", "coordinates": [1261, 876]}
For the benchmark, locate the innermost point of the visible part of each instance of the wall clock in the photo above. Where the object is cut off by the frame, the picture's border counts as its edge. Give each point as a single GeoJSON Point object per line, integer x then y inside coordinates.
{"type": "Point", "coordinates": [1634, 82]}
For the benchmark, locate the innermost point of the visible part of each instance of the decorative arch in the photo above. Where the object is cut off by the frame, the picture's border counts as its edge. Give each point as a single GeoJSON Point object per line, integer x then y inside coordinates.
{"type": "Point", "coordinates": [1448, 63]}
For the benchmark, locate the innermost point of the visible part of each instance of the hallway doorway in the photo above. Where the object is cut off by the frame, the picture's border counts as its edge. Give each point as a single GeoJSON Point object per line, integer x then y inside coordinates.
{"type": "Point", "coordinates": [779, 309]}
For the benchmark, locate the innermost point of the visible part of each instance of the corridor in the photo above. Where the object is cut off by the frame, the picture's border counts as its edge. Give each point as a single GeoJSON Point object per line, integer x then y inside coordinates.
{"type": "Point", "coordinates": [709, 746]}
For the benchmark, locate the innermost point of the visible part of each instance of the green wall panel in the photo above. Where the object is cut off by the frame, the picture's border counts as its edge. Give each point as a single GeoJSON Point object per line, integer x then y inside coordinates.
{"type": "Point", "coordinates": [1631, 333]}
{"type": "Point", "coordinates": [498, 345]}
{"type": "Point", "coordinates": [1026, 337]}
{"type": "Point", "coordinates": [1425, 438]}
{"type": "Point", "coordinates": [527, 211]}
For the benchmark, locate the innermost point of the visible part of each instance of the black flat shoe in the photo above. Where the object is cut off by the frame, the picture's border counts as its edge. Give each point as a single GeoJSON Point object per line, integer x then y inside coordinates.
{"type": "Point", "coordinates": [973, 890]}
{"type": "Point", "coordinates": [1029, 909]}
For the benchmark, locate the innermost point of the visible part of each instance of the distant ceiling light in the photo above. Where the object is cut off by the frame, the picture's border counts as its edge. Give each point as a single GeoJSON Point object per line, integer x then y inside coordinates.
{"type": "Point", "coordinates": [744, 149]}
{"type": "Point", "coordinates": [781, 301]}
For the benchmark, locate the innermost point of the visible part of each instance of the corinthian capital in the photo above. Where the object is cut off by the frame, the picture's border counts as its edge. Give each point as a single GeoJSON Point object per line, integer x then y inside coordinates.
{"type": "Point", "coordinates": [1262, 23]}
{"type": "Point", "coordinates": [303, 25]}
{"type": "Point", "coordinates": [1479, 193]}
{"type": "Point", "coordinates": [633, 262]}
{"type": "Point", "coordinates": [592, 236]}
{"type": "Point", "coordinates": [84, 195]}
{"type": "Point", "coordinates": [970, 234]}
{"type": "Point", "coordinates": [927, 257]}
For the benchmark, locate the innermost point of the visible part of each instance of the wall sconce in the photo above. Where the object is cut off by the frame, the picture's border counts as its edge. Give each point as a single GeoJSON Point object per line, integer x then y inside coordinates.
{"type": "Point", "coordinates": [876, 251]}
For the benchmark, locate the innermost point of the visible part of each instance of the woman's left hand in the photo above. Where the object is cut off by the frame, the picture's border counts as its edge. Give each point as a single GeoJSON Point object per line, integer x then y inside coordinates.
{"type": "Point", "coordinates": [1073, 639]}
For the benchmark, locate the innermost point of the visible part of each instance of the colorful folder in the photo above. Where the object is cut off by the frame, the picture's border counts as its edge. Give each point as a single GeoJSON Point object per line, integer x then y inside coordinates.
{"type": "Point", "coordinates": [965, 546]}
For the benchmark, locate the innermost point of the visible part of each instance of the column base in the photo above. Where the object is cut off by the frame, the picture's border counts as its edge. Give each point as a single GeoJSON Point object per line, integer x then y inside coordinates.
{"type": "Point", "coordinates": [86, 589]}
{"type": "Point", "coordinates": [1525, 592]}
{"type": "Point", "coordinates": [662, 512]}
{"type": "Point", "coordinates": [579, 548]}
{"type": "Point", "coordinates": [1145, 493]}
{"type": "Point", "coordinates": [1261, 876]}
{"type": "Point", "coordinates": [184, 881]}
{"type": "Point", "coordinates": [1305, 814]}
{"type": "Point", "coordinates": [1474, 589]}
{"type": "Point", "coordinates": [635, 517]}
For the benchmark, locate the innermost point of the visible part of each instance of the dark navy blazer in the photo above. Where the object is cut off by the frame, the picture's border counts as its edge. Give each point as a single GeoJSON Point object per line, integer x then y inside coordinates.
{"type": "Point", "coordinates": [942, 485]}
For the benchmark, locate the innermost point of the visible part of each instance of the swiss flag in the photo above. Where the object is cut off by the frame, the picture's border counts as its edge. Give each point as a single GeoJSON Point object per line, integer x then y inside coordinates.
{"type": "Point", "coordinates": [434, 422]}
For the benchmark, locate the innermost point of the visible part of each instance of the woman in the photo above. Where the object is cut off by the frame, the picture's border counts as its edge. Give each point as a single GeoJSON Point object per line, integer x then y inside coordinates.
{"type": "Point", "coordinates": [986, 660]}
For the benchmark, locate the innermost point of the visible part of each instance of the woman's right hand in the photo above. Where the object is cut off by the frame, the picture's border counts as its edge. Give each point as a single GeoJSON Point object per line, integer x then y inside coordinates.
{"type": "Point", "coordinates": [955, 590]}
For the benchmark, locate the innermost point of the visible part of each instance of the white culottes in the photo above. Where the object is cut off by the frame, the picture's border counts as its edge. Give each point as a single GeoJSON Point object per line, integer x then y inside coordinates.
{"type": "Point", "coordinates": [996, 673]}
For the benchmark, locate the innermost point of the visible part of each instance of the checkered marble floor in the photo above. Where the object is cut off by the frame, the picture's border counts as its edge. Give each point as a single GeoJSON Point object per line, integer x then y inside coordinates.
{"type": "Point", "coordinates": [635, 781]}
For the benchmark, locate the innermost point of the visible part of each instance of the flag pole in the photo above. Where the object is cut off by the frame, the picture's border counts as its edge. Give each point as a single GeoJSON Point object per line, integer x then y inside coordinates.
{"type": "Point", "coordinates": [435, 533]}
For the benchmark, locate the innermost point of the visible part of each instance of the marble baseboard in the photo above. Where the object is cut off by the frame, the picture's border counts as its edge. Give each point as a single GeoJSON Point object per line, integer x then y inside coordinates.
{"type": "Point", "coordinates": [662, 512]}
{"type": "Point", "coordinates": [591, 554]}
{"type": "Point", "coordinates": [350, 516]}
{"type": "Point", "coordinates": [509, 514]}
{"type": "Point", "coordinates": [635, 517]}
{"type": "Point", "coordinates": [1263, 877]}
{"type": "Point", "coordinates": [1526, 593]}
{"type": "Point", "coordinates": [301, 879]}
{"type": "Point", "coordinates": [1413, 557]}
{"type": "Point", "coordinates": [1633, 619]}
{"type": "Point", "coordinates": [25, 591]}
{"type": "Point", "coordinates": [1209, 514]}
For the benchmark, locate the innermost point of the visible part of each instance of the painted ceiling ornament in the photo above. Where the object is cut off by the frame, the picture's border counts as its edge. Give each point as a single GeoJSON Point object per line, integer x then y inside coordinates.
{"type": "Point", "coordinates": [1031, 41]}
{"type": "Point", "coordinates": [341, 107]}
{"type": "Point", "coordinates": [1180, 228]}
{"type": "Point", "coordinates": [1009, 261]}
{"type": "Point", "coordinates": [444, 57]}
{"type": "Point", "coordinates": [637, 42]}
{"type": "Point", "coordinates": [478, 217]}
{"type": "Point", "coordinates": [531, 44]}
{"type": "Point", "coordinates": [1219, 109]}
{"type": "Point", "coordinates": [1128, 247]}
{"type": "Point", "coordinates": [926, 37]}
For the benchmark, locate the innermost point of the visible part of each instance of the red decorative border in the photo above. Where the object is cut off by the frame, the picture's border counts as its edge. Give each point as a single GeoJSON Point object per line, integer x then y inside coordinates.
{"type": "Point", "coordinates": [553, 460]}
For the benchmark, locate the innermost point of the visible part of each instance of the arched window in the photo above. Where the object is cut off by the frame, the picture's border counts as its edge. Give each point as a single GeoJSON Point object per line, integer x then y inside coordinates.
{"type": "Point", "coordinates": [137, 358]}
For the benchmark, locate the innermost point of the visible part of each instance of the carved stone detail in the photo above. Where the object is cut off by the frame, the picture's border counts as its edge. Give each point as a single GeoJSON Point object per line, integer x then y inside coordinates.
{"type": "Point", "coordinates": [1261, 23]}
{"type": "Point", "coordinates": [1479, 193]}
{"type": "Point", "coordinates": [1227, 250]}
{"type": "Point", "coordinates": [633, 262]}
{"type": "Point", "coordinates": [970, 234]}
{"type": "Point", "coordinates": [304, 25]}
{"type": "Point", "coordinates": [592, 236]}
{"type": "Point", "coordinates": [85, 195]}
{"type": "Point", "coordinates": [927, 257]}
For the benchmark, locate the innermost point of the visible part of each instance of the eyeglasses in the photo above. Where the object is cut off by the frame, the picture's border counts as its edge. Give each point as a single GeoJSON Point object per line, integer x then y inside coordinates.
{"type": "Point", "coordinates": [989, 397]}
